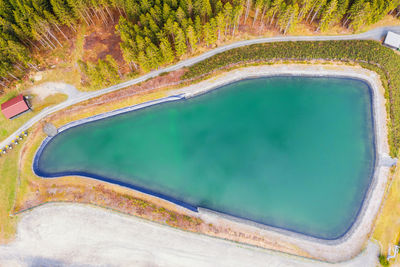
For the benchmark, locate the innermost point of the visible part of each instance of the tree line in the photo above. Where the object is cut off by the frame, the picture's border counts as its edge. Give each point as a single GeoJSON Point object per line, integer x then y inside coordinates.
{"type": "Point", "coordinates": [103, 73]}
{"type": "Point", "coordinates": [156, 32]}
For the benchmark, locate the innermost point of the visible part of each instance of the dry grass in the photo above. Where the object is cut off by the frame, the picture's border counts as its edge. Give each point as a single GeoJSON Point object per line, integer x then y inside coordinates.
{"type": "Point", "coordinates": [58, 65]}
{"type": "Point", "coordinates": [65, 70]}
{"type": "Point", "coordinates": [387, 227]}
{"type": "Point", "coordinates": [34, 191]}
{"type": "Point", "coordinates": [8, 184]}
{"type": "Point", "coordinates": [7, 127]}
{"type": "Point", "coordinates": [386, 21]}
{"type": "Point", "coordinates": [48, 101]}
{"type": "Point", "coordinates": [14, 189]}
{"type": "Point", "coordinates": [63, 58]}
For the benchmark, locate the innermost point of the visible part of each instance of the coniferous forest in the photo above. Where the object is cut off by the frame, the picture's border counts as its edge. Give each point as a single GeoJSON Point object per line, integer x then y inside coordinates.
{"type": "Point", "coordinates": [156, 32]}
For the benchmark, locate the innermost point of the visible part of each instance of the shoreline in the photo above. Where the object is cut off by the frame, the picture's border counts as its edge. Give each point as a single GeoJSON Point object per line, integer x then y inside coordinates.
{"type": "Point", "coordinates": [59, 228]}
{"type": "Point", "coordinates": [352, 241]}
{"type": "Point", "coordinates": [309, 244]}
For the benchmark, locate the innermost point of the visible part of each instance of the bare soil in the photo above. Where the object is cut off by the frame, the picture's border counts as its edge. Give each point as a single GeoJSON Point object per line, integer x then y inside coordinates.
{"type": "Point", "coordinates": [102, 40]}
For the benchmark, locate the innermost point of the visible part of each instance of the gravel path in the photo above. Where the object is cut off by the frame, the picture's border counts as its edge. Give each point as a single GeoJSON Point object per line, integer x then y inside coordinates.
{"type": "Point", "coordinates": [376, 34]}
{"type": "Point", "coordinates": [340, 250]}
{"type": "Point", "coordinates": [81, 235]}
{"type": "Point", "coordinates": [46, 89]}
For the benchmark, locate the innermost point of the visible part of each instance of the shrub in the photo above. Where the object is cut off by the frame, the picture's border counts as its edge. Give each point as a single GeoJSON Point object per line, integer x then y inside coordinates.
{"type": "Point", "coordinates": [383, 261]}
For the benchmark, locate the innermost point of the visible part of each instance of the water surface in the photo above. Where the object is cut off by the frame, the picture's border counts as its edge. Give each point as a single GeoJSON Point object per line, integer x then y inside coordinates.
{"type": "Point", "coordinates": [291, 152]}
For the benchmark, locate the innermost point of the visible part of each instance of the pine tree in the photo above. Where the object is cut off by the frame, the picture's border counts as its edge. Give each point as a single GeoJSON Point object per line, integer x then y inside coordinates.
{"type": "Point", "coordinates": [274, 10]}
{"type": "Point", "coordinates": [95, 74]}
{"type": "Point", "coordinates": [63, 12]}
{"type": "Point", "coordinates": [237, 12]}
{"type": "Point", "coordinates": [154, 58]}
{"type": "Point", "coordinates": [378, 10]}
{"type": "Point", "coordinates": [228, 16]}
{"type": "Point", "coordinates": [180, 15]}
{"type": "Point", "coordinates": [319, 7]}
{"type": "Point", "coordinates": [166, 11]}
{"type": "Point", "coordinates": [359, 14]}
{"type": "Point", "coordinates": [328, 15]}
{"type": "Point", "coordinates": [209, 32]}
{"type": "Point", "coordinates": [113, 68]}
{"type": "Point", "coordinates": [17, 52]}
{"type": "Point", "coordinates": [198, 28]}
{"type": "Point", "coordinates": [341, 10]}
{"type": "Point", "coordinates": [166, 51]}
{"type": "Point", "coordinates": [220, 20]}
{"type": "Point", "coordinates": [192, 38]}
{"type": "Point", "coordinates": [206, 10]}
{"type": "Point", "coordinates": [248, 6]}
{"type": "Point", "coordinates": [180, 41]}
{"type": "Point", "coordinates": [142, 60]}
{"type": "Point", "coordinates": [213, 30]}
{"type": "Point", "coordinates": [258, 6]}
{"type": "Point", "coordinates": [288, 20]}
{"type": "Point", "coordinates": [304, 8]}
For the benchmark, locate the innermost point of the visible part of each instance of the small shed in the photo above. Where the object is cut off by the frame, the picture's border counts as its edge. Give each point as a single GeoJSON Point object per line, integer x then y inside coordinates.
{"type": "Point", "coordinates": [392, 40]}
{"type": "Point", "coordinates": [14, 107]}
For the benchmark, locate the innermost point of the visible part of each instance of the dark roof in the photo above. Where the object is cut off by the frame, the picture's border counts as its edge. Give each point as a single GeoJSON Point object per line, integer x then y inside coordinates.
{"type": "Point", "coordinates": [14, 106]}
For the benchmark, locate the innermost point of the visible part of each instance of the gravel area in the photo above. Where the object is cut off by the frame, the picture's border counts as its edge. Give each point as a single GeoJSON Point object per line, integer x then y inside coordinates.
{"type": "Point", "coordinates": [82, 235]}
{"type": "Point", "coordinates": [49, 88]}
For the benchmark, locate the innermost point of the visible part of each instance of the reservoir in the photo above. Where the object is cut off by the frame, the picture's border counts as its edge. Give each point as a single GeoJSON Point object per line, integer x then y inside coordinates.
{"type": "Point", "coordinates": [296, 153]}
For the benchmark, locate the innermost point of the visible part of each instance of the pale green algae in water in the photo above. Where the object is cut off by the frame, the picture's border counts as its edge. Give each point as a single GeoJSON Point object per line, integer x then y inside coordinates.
{"type": "Point", "coordinates": [291, 152]}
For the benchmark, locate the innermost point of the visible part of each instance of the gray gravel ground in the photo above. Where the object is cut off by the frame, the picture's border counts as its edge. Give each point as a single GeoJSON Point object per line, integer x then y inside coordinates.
{"type": "Point", "coordinates": [81, 235]}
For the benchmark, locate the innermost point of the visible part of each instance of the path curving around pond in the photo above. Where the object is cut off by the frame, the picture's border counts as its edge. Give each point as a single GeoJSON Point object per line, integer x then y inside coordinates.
{"type": "Point", "coordinates": [353, 241]}
{"type": "Point", "coordinates": [375, 34]}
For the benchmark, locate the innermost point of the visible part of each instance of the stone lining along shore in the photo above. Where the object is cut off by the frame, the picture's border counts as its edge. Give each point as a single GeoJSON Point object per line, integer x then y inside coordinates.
{"type": "Point", "coordinates": [354, 240]}
{"type": "Point", "coordinates": [336, 250]}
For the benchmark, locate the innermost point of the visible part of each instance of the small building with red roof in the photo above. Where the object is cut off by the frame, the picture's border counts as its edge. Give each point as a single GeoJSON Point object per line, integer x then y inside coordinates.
{"type": "Point", "coordinates": [14, 107]}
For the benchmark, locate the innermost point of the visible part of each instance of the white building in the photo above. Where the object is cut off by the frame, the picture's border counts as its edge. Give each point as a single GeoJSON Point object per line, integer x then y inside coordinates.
{"type": "Point", "coordinates": [392, 40]}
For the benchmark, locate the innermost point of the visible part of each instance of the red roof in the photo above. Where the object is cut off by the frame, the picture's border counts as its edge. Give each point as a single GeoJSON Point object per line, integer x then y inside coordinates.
{"type": "Point", "coordinates": [14, 106]}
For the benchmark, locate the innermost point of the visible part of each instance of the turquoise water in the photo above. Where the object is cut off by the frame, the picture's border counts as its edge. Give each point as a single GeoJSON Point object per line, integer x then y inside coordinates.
{"type": "Point", "coordinates": [291, 152]}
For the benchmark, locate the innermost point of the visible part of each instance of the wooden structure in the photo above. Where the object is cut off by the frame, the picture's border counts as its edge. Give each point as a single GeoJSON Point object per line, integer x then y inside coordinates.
{"type": "Point", "coordinates": [14, 107]}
